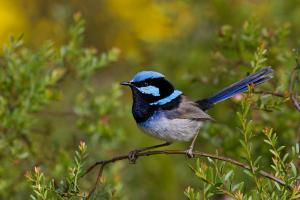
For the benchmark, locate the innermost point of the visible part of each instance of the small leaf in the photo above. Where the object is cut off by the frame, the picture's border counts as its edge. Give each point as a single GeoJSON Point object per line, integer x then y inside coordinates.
{"type": "Point", "coordinates": [228, 175]}
{"type": "Point", "coordinates": [280, 148]}
{"type": "Point", "coordinates": [238, 186]}
{"type": "Point", "coordinates": [294, 169]}
{"type": "Point", "coordinates": [257, 160]}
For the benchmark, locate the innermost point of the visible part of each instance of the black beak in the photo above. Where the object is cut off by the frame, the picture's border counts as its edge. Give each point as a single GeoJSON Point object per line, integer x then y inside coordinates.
{"type": "Point", "coordinates": [127, 83]}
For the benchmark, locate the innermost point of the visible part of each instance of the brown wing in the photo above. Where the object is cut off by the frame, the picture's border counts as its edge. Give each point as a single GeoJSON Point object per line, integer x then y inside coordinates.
{"type": "Point", "coordinates": [188, 109]}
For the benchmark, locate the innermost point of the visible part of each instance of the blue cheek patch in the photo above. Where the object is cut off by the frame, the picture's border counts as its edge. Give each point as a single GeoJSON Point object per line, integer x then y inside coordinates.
{"type": "Point", "coordinates": [167, 99]}
{"type": "Point", "coordinates": [154, 91]}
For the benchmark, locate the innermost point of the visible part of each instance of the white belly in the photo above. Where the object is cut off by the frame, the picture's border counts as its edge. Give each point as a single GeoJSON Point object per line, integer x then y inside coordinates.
{"type": "Point", "coordinates": [170, 129]}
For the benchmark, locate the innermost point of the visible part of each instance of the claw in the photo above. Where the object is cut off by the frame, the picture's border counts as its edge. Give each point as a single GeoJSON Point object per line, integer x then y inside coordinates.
{"type": "Point", "coordinates": [132, 156]}
{"type": "Point", "coordinates": [189, 153]}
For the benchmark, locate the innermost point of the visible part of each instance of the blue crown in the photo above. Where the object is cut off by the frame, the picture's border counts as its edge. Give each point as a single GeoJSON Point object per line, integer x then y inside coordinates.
{"type": "Point", "coordinates": [143, 75]}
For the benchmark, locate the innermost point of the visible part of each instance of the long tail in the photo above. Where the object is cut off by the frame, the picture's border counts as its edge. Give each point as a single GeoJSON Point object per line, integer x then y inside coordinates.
{"type": "Point", "coordinates": [257, 78]}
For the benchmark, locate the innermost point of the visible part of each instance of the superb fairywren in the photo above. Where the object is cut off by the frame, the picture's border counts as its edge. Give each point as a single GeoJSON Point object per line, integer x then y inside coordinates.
{"type": "Point", "coordinates": [165, 113]}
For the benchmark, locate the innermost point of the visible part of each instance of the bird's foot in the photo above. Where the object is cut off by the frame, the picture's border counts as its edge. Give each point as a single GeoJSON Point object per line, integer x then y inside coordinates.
{"type": "Point", "coordinates": [189, 153]}
{"type": "Point", "coordinates": [132, 156]}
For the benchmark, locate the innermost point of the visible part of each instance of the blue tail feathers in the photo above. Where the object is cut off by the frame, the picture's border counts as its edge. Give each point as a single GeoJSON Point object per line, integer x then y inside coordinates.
{"type": "Point", "coordinates": [257, 78]}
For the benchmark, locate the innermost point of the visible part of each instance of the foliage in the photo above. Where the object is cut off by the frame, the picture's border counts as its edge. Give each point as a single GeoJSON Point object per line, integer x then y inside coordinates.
{"type": "Point", "coordinates": [67, 188]}
{"type": "Point", "coordinates": [31, 80]}
{"type": "Point", "coordinates": [219, 177]}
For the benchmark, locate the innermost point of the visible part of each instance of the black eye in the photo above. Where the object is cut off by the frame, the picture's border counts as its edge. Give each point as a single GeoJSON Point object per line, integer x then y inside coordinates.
{"type": "Point", "coordinates": [141, 84]}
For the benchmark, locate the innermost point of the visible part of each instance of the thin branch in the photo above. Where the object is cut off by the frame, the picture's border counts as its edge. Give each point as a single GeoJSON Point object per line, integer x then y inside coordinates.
{"type": "Point", "coordinates": [66, 113]}
{"type": "Point", "coordinates": [103, 163]}
{"type": "Point", "coordinates": [293, 77]}
{"type": "Point", "coordinates": [100, 172]}
{"type": "Point", "coordinates": [221, 59]}
{"type": "Point", "coordinates": [277, 94]}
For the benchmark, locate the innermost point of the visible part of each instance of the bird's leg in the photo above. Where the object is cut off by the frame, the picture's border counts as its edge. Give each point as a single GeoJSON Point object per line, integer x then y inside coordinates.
{"type": "Point", "coordinates": [132, 156]}
{"type": "Point", "coordinates": [189, 151]}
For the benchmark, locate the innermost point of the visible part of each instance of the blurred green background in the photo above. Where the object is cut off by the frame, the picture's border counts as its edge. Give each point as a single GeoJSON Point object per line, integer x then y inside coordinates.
{"type": "Point", "coordinates": [179, 38]}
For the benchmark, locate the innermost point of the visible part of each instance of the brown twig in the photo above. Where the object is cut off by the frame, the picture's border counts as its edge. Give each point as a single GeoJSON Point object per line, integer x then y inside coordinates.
{"type": "Point", "coordinates": [67, 113]}
{"type": "Point", "coordinates": [293, 77]}
{"type": "Point", "coordinates": [103, 163]}
{"type": "Point", "coordinates": [277, 94]}
{"type": "Point", "coordinates": [97, 181]}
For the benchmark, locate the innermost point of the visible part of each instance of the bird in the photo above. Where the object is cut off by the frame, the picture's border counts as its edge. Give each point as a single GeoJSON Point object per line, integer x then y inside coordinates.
{"type": "Point", "coordinates": [162, 111]}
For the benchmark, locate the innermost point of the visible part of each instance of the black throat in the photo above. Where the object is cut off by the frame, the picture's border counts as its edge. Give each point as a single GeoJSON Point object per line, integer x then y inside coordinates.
{"type": "Point", "coordinates": [141, 109]}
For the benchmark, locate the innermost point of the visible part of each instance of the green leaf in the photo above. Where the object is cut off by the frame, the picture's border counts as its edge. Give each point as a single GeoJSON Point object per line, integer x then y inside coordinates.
{"type": "Point", "coordinates": [228, 175]}
{"type": "Point", "coordinates": [294, 169]}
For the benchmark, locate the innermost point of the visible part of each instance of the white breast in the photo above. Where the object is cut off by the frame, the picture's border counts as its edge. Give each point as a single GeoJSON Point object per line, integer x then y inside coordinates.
{"type": "Point", "coordinates": [170, 130]}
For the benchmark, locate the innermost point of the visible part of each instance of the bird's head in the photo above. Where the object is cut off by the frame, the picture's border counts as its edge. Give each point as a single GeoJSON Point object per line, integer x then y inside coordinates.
{"type": "Point", "coordinates": [152, 87]}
